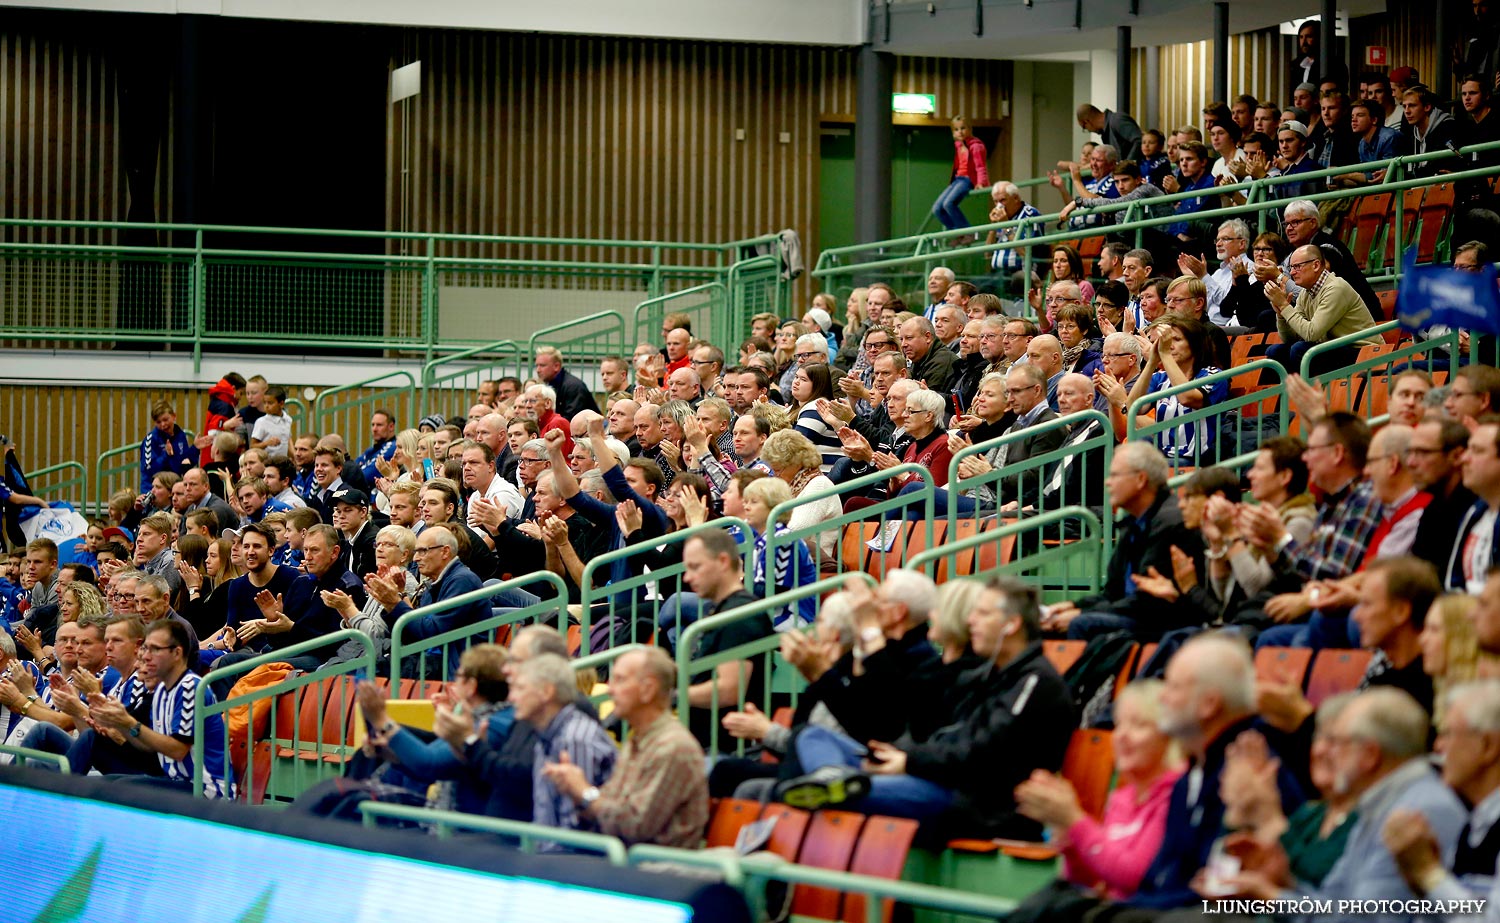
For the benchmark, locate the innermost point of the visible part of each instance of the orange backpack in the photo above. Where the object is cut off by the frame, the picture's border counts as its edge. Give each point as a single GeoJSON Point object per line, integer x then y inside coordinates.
{"type": "Point", "coordinates": [239, 719]}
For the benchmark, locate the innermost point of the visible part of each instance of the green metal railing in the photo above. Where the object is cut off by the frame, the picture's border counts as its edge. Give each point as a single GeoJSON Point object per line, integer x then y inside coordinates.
{"type": "Point", "coordinates": [304, 759]}
{"type": "Point", "coordinates": [1360, 379]}
{"type": "Point", "coordinates": [639, 597]}
{"type": "Point", "coordinates": [1063, 551]}
{"type": "Point", "coordinates": [447, 378]}
{"type": "Point", "coordinates": [707, 305]}
{"type": "Point", "coordinates": [910, 258]}
{"type": "Point", "coordinates": [763, 654]}
{"type": "Point", "coordinates": [26, 757]}
{"type": "Point", "coordinates": [584, 339]}
{"type": "Point", "coordinates": [119, 467]}
{"type": "Point", "coordinates": [886, 520]}
{"type": "Point", "coordinates": [1011, 481]}
{"type": "Point", "coordinates": [350, 415]}
{"type": "Point", "coordinates": [47, 484]}
{"type": "Point", "coordinates": [410, 659]}
{"type": "Point", "coordinates": [445, 823]}
{"type": "Point", "coordinates": [169, 284]}
{"type": "Point", "coordinates": [1235, 435]}
{"type": "Point", "coordinates": [755, 287]}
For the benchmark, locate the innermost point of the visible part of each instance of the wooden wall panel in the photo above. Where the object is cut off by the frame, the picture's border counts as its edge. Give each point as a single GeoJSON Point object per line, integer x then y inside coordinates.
{"type": "Point", "coordinates": [1257, 65]}
{"type": "Point", "coordinates": [1409, 31]}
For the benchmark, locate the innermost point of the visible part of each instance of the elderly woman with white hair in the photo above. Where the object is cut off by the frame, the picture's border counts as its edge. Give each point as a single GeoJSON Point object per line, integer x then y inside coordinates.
{"type": "Point", "coordinates": [395, 548]}
{"type": "Point", "coordinates": [794, 459]}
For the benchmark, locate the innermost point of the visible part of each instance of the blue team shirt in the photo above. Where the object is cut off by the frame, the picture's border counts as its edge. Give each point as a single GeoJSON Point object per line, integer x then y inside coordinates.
{"type": "Point", "coordinates": [10, 596]}
{"type": "Point", "coordinates": [172, 714]}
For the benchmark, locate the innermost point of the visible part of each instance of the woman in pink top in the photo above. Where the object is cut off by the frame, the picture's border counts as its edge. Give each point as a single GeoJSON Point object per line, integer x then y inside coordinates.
{"type": "Point", "coordinates": [1114, 853]}
{"type": "Point", "coordinates": [968, 173]}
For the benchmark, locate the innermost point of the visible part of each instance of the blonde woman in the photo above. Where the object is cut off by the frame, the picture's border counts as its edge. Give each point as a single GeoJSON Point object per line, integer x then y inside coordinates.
{"type": "Point", "coordinates": [1450, 649]}
{"type": "Point", "coordinates": [794, 459]}
{"type": "Point", "coordinates": [1114, 852]}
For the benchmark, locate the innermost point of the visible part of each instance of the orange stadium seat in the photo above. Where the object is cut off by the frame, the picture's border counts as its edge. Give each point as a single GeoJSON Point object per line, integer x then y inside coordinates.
{"type": "Point", "coordinates": [1336, 671]}
{"type": "Point", "coordinates": [829, 845]}
{"type": "Point", "coordinates": [881, 853]}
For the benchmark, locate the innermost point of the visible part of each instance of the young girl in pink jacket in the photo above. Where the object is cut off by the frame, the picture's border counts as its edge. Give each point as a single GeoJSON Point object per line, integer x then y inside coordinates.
{"type": "Point", "coordinates": [968, 173]}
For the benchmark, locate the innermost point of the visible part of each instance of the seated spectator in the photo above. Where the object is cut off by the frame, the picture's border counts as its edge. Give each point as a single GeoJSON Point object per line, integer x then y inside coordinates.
{"type": "Point", "coordinates": [480, 689]}
{"type": "Point", "coordinates": [797, 461]}
{"type": "Point", "coordinates": [1230, 246]}
{"type": "Point", "coordinates": [658, 791]}
{"type": "Point", "coordinates": [1137, 485]}
{"type": "Point", "coordinates": [1375, 143]}
{"type": "Point", "coordinates": [1328, 309]}
{"type": "Point", "coordinates": [572, 394]}
{"type": "Point", "coordinates": [1434, 455]}
{"type": "Point", "coordinates": [1302, 226]}
{"type": "Point", "coordinates": [1114, 852]}
{"type": "Point", "coordinates": [382, 447]}
{"type": "Point", "coordinates": [1293, 160]}
{"type": "Point", "coordinates": [207, 606]}
{"type": "Point", "coordinates": [1473, 391]}
{"type": "Point", "coordinates": [1181, 355]}
{"type": "Point", "coordinates": [1155, 164]}
{"type": "Point", "coordinates": [961, 779]}
{"type": "Point", "coordinates": [440, 503]}
{"type": "Point", "coordinates": [1450, 648]}
{"type": "Point", "coordinates": [303, 613]}
{"type": "Point", "coordinates": [1120, 366]}
{"type": "Point", "coordinates": [1009, 206]}
{"type": "Point", "coordinates": [1229, 162]}
{"type": "Point", "coordinates": [1188, 295]}
{"type": "Point", "coordinates": [1192, 162]}
{"type": "Point", "coordinates": [810, 384]}
{"type": "Point", "coordinates": [1101, 184]}
{"type": "Point", "coordinates": [164, 657]}
{"type": "Point", "coordinates": [357, 524]}
{"type": "Point", "coordinates": [1074, 328]}
{"type": "Point", "coordinates": [1427, 130]}
{"type": "Point", "coordinates": [1045, 354]}
{"type": "Point", "coordinates": [1067, 266]}
{"type": "Point", "coordinates": [395, 548]}
{"type": "Point", "coordinates": [543, 693]}
{"type": "Point", "coordinates": [1471, 768]}
{"type": "Point", "coordinates": [1475, 549]}
{"type": "Point", "coordinates": [930, 363]}
{"type": "Point", "coordinates": [196, 490]}
{"type": "Point", "coordinates": [165, 450]}
{"type": "Point", "coordinates": [1075, 478]}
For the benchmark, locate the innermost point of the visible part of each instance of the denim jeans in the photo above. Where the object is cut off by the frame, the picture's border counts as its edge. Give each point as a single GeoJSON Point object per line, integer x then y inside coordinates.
{"type": "Point", "coordinates": [892, 796]}
{"type": "Point", "coordinates": [1090, 624]}
{"type": "Point", "coordinates": [941, 499]}
{"type": "Point", "coordinates": [678, 612]}
{"type": "Point", "coordinates": [946, 208]}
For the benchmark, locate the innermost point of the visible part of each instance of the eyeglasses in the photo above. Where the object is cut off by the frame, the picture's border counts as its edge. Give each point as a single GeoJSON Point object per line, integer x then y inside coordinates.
{"type": "Point", "coordinates": [703, 362]}
{"type": "Point", "coordinates": [879, 344]}
{"type": "Point", "coordinates": [158, 649]}
{"type": "Point", "coordinates": [421, 551]}
{"type": "Point", "coordinates": [1117, 355]}
{"type": "Point", "coordinates": [1015, 391]}
{"type": "Point", "coordinates": [1012, 336]}
{"type": "Point", "coordinates": [1262, 249]}
{"type": "Point", "coordinates": [1291, 221]}
{"type": "Point", "coordinates": [1177, 299]}
{"type": "Point", "coordinates": [1296, 266]}
{"type": "Point", "coordinates": [1225, 240]}
{"type": "Point", "coordinates": [531, 461]}
{"type": "Point", "coordinates": [810, 355]}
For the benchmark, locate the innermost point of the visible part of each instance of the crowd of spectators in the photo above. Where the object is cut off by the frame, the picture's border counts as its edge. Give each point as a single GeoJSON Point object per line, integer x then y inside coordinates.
{"type": "Point", "coordinates": [934, 702]}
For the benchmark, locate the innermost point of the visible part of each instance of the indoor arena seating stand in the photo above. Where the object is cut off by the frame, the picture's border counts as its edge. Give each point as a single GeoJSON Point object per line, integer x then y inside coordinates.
{"type": "Point", "coordinates": [840, 866]}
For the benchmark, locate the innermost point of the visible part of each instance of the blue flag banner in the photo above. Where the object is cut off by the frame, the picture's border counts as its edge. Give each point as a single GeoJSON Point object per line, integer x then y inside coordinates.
{"type": "Point", "coordinates": [1438, 295]}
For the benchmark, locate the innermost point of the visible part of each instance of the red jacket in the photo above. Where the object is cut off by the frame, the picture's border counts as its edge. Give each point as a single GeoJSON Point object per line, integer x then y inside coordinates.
{"type": "Point", "coordinates": [968, 160]}
{"type": "Point", "coordinates": [220, 408]}
{"type": "Point", "coordinates": [934, 456]}
{"type": "Point", "coordinates": [555, 420]}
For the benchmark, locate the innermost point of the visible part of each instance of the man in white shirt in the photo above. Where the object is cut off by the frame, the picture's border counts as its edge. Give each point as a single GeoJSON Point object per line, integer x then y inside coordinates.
{"type": "Point", "coordinates": [1230, 246]}
{"type": "Point", "coordinates": [273, 431]}
{"type": "Point", "coordinates": [480, 476]}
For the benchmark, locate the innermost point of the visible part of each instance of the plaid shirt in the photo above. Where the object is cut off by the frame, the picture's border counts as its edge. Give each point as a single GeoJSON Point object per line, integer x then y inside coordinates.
{"type": "Point", "coordinates": [659, 791]}
{"type": "Point", "coordinates": [1341, 534]}
{"type": "Point", "coordinates": [1012, 260]}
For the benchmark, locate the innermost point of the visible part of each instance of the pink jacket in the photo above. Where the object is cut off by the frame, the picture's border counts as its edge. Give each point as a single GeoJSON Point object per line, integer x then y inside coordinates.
{"type": "Point", "coordinates": [968, 160]}
{"type": "Point", "coordinates": [1117, 851]}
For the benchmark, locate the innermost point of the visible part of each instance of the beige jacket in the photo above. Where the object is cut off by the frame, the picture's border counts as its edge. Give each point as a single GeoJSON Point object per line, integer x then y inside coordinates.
{"type": "Point", "coordinates": [1336, 311]}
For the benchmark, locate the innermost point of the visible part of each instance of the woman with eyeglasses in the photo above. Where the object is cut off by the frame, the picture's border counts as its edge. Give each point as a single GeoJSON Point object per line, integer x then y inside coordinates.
{"type": "Point", "coordinates": [1111, 299]}
{"type": "Point", "coordinates": [786, 346]}
{"type": "Point", "coordinates": [395, 548]}
{"type": "Point", "coordinates": [1074, 328]}
{"type": "Point", "coordinates": [1067, 266]}
{"type": "Point", "coordinates": [1246, 303]}
{"type": "Point", "coordinates": [1173, 360]}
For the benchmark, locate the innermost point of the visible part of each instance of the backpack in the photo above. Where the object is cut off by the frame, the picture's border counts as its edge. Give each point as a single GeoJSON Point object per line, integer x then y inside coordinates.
{"type": "Point", "coordinates": [1101, 663]}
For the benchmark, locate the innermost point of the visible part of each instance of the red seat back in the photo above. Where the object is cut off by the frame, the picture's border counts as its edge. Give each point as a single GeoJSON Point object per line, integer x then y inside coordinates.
{"type": "Point", "coordinates": [829, 845]}
{"type": "Point", "coordinates": [1282, 664]}
{"type": "Point", "coordinates": [729, 818]}
{"type": "Point", "coordinates": [791, 826]}
{"type": "Point", "coordinates": [1063, 654]}
{"type": "Point", "coordinates": [881, 852]}
{"type": "Point", "coordinates": [1090, 765]}
{"type": "Point", "coordinates": [1336, 671]}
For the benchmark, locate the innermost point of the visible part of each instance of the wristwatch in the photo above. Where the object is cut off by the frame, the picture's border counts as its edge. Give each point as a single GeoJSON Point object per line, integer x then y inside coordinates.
{"type": "Point", "coordinates": [135, 730]}
{"type": "Point", "coordinates": [590, 795]}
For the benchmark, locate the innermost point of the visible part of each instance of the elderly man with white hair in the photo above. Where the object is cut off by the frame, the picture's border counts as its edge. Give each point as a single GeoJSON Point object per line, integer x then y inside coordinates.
{"type": "Point", "coordinates": [1009, 206]}
{"type": "Point", "coordinates": [938, 281]}
{"type": "Point", "coordinates": [543, 402]}
{"type": "Point", "coordinates": [1231, 245]}
{"type": "Point", "coordinates": [1300, 226]}
{"type": "Point", "coordinates": [1328, 308]}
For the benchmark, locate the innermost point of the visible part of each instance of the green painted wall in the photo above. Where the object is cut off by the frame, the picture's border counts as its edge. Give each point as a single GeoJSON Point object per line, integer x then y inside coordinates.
{"type": "Point", "coordinates": [921, 161]}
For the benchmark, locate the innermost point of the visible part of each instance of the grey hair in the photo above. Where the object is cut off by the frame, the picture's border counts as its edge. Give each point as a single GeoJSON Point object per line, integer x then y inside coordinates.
{"type": "Point", "coordinates": [404, 538]}
{"type": "Point", "coordinates": [1478, 701]}
{"type": "Point", "coordinates": [1301, 208]}
{"type": "Point", "coordinates": [904, 387]}
{"type": "Point", "coordinates": [1392, 720]}
{"type": "Point", "coordinates": [1226, 667]}
{"type": "Point", "coordinates": [551, 670]}
{"type": "Point", "coordinates": [993, 378]}
{"type": "Point", "coordinates": [1004, 189]}
{"type": "Point", "coordinates": [838, 614]}
{"type": "Point", "coordinates": [943, 271]}
{"type": "Point", "coordinates": [541, 639]}
{"type": "Point", "coordinates": [811, 340]}
{"type": "Point", "coordinates": [156, 582]}
{"type": "Point", "coordinates": [1109, 151]}
{"type": "Point", "coordinates": [1125, 343]}
{"type": "Point", "coordinates": [926, 400]}
{"type": "Point", "coordinates": [679, 411]}
{"type": "Point", "coordinates": [1238, 227]}
{"type": "Point", "coordinates": [445, 538]}
{"type": "Point", "coordinates": [545, 392]}
{"type": "Point", "coordinates": [922, 324]}
{"type": "Point", "coordinates": [7, 644]}
{"type": "Point", "coordinates": [593, 482]}
{"type": "Point", "coordinates": [995, 320]}
{"type": "Point", "coordinates": [911, 588]}
{"type": "Point", "coordinates": [536, 445]}
{"type": "Point", "coordinates": [1068, 285]}
{"type": "Point", "coordinates": [1148, 460]}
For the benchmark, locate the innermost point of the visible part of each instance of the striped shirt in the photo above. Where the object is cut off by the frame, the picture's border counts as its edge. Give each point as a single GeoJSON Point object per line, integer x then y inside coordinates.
{"type": "Point", "coordinates": [812, 425]}
{"type": "Point", "coordinates": [1014, 259]}
{"type": "Point", "coordinates": [172, 715]}
{"type": "Point", "coordinates": [589, 748]}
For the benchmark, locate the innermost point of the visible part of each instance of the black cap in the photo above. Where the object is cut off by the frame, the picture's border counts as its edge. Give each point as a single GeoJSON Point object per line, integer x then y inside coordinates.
{"type": "Point", "coordinates": [352, 496]}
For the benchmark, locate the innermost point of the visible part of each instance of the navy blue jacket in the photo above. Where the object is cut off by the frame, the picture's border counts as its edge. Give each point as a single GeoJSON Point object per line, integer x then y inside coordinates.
{"type": "Point", "coordinates": [155, 460]}
{"type": "Point", "coordinates": [455, 581]}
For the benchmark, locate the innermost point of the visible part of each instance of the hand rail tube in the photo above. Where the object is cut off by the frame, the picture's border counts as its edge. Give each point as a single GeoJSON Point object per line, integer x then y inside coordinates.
{"type": "Point", "coordinates": [445, 822]}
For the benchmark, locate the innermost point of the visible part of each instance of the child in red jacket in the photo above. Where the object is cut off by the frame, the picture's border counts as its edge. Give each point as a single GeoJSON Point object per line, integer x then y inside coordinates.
{"type": "Point", "coordinates": [968, 173]}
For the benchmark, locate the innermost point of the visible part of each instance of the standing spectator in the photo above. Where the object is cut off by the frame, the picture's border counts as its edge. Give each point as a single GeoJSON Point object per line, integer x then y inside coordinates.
{"type": "Point", "coordinates": [272, 432]}
{"type": "Point", "coordinates": [165, 448]}
{"type": "Point", "coordinates": [572, 394]}
{"type": "Point", "coordinates": [544, 399]}
{"type": "Point", "coordinates": [1306, 66]}
{"type": "Point", "coordinates": [1116, 129]}
{"type": "Point", "coordinates": [383, 437]}
{"type": "Point", "coordinates": [222, 398]}
{"type": "Point", "coordinates": [968, 173]}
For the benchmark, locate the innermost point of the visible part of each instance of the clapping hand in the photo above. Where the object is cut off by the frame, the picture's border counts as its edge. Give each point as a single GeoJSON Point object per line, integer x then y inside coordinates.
{"type": "Point", "coordinates": [555, 531]}
{"type": "Point", "coordinates": [834, 413]}
{"type": "Point", "coordinates": [486, 512]}
{"type": "Point", "coordinates": [856, 446]}
{"type": "Point", "coordinates": [629, 517]}
{"type": "Point", "coordinates": [384, 589]}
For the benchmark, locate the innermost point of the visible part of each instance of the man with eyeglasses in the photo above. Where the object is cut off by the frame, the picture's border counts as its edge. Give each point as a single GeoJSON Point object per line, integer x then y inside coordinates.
{"type": "Point", "coordinates": [992, 344]}
{"type": "Point", "coordinates": [1473, 392]}
{"type": "Point", "coordinates": [1114, 379]}
{"type": "Point", "coordinates": [164, 658]}
{"type": "Point", "coordinates": [444, 577]}
{"type": "Point", "coordinates": [1434, 455]}
{"type": "Point", "coordinates": [708, 363]}
{"type": "Point", "coordinates": [1300, 227]}
{"type": "Point", "coordinates": [1327, 309]}
{"type": "Point", "coordinates": [856, 385]}
{"type": "Point", "coordinates": [1230, 244]}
